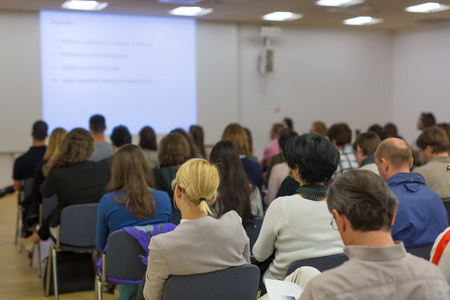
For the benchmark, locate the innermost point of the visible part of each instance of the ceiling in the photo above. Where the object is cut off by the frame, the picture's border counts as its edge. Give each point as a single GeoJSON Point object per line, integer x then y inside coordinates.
{"type": "Point", "coordinates": [250, 11]}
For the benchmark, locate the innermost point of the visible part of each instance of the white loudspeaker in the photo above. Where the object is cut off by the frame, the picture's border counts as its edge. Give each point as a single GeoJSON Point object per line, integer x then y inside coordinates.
{"type": "Point", "coordinates": [266, 60]}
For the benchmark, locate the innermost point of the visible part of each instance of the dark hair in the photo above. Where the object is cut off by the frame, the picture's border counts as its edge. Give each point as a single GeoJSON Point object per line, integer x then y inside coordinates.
{"type": "Point", "coordinates": [97, 123]}
{"type": "Point", "coordinates": [235, 187]}
{"type": "Point", "coordinates": [368, 142]}
{"type": "Point", "coordinates": [284, 136]}
{"type": "Point", "coordinates": [436, 138]}
{"type": "Point", "coordinates": [173, 150]}
{"type": "Point", "coordinates": [314, 156]}
{"type": "Point", "coordinates": [192, 147]}
{"type": "Point", "coordinates": [364, 198]}
{"type": "Point", "coordinates": [197, 135]}
{"type": "Point", "coordinates": [396, 151]}
{"type": "Point", "coordinates": [428, 119]}
{"type": "Point", "coordinates": [390, 130]}
{"type": "Point", "coordinates": [120, 136]}
{"type": "Point", "coordinates": [378, 130]}
{"type": "Point", "coordinates": [341, 133]}
{"type": "Point", "coordinates": [289, 123]}
{"type": "Point", "coordinates": [39, 130]}
{"type": "Point", "coordinates": [446, 127]}
{"type": "Point", "coordinates": [147, 138]}
{"type": "Point", "coordinates": [130, 173]}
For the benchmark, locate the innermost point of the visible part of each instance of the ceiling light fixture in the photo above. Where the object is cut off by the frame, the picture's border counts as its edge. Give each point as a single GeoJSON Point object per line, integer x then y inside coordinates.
{"type": "Point", "coordinates": [337, 3]}
{"type": "Point", "coordinates": [429, 7]}
{"type": "Point", "coordinates": [281, 16]}
{"type": "Point", "coordinates": [363, 20]}
{"type": "Point", "coordinates": [190, 11]}
{"type": "Point", "coordinates": [84, 5]}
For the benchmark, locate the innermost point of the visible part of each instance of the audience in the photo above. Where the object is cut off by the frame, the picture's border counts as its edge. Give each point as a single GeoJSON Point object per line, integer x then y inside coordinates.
{"type": "Point", "coordinates": [376, 128]}
{"type": "Point", "coordinates": [365, 146]}
{"type": "Point", "coordinates": [298, 226]}
{"type": "Point", "coordinates": [196, 133]}
{"type": "Point", "coordinates": [440, 253]}
{"type": "Point", "coordinates": [288, 123]}
{"type": "Point", "coordinates": [237, 135]}
{"type": "Point", "coordinates": [236, 191]}
{"type": "Point", "coordinates": [73, 178]}
{"type": "Point", "coordinates": [102, 149]}
{"type": "Point", "coordinates": [390, 131]}
{"type": "Point", "coordinates": [421, 215]}
{"type": "Point", "coordinates": [434, 145]}
{"type": "Point", "coordinates": [120, 136]}
{"type": "Point", "coordinates": [318, 127]}
{"type": "Point", "coordinates": [426, 120]}
{"type": "Point", "coordinates": [250, 155]}
{"type": "Point", "coordinates": [194, 151]}
{"type": "Point", "coordinates": [200, 244]}
{"type": "Point", "coordinates": [130, 201]}
{"type": "Point", "coordinates": [273, 149]}
{"type": "Point", "coordinates": [363, 209]}
{"type": "Point", "coordinates": [341, 136]}
{"type": "Point", "coordinates": [147, 142]}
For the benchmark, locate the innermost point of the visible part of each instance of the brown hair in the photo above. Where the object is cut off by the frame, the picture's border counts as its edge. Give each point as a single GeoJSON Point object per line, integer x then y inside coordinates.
{"type": "Point", "coordinates": [396, 151]}
{"type": "Point", "coordinates": [192, 147]}
{"type": "Point", "coordinates": [147, 138]}
{"type": "Point", "coordinates": [130, 173]}
{"type": "Point", "coordinates": [54, 142]}
{"type": "Point", "coordinates": [436, 138]}
{"type": "Point", "coordinates": [427, 119]}
{"type": "Point", "coordinates": [341, 133]}
{"type": "Point", "coordinates": [173, 150]}
{"type": "Point", "coordinates": [368, 142]}
{"type": "Point", "coordinates": [237, 135]}
{"type": "Point", "coordinates": [197, 135]}
{"type": "Point", "coordinates": [76, 147]}
{"type": "Point", "coordinates": [320, 128]}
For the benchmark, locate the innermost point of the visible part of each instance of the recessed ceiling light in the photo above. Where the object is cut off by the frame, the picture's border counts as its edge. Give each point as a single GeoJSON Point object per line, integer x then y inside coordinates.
{"type": "Point", "coordinates": [190, 11]}
{"type": "Point", "coordinates": [337, 3]}
{"type": "Point", "coordinates": [183, 2]}
{"type": "Point", "coordinates": [84, 5]}
{"type": "Point", "coordinates": [429, 7]}
{"type": "Point", "coordinates": [363, 20]}
{"type": "Point", "coordinates": [281, 16]}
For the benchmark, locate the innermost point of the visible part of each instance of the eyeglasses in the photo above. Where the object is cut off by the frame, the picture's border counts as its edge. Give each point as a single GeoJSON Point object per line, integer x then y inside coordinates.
{"type": "Point", "coordinates": [333, 223]}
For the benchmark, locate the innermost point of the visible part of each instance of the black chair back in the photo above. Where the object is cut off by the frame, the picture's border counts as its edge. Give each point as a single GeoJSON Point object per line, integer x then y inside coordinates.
{"type": "Point", "coordinates": [78, 225]}
{"type": "Point", "coordinates": [252, 229]}
{"type": "Point", "coordinates": [320, 263]}
{"type": "Point", "coordinates": [421, 251]}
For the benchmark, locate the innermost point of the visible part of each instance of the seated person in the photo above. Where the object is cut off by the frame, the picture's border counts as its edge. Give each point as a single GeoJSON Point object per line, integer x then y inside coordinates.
{"type": "Point", "coordinates": [365, 146]}
{"type": "Point", "coordinates": [147, 141]}
{"type": "Point", "coordinates": [200, 244]}
{"type": "Point", "coordinates": [363, 209]}
{"type": "Point", "coordinates": [130, 202]}
{"type": "Point", "coordinates": [341, 136]}
{"type": "Point", "coordinates": [102, 149]}
{"type": "Point", "coordinates": [73, 178]}
{"type": "Point", "coordinates": [298, 226]}
{"type": "Point", "coordinates": [440, 253]}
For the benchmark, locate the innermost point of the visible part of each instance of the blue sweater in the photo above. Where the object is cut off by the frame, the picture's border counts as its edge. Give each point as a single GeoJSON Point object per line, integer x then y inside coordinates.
{"type": "Point", "coordinates": [112, 215]}
{"type": "Point", "coordinates": [421, 215]}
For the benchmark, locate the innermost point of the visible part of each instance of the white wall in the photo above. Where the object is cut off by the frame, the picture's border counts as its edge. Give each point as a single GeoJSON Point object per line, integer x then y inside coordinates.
{"type": "Point", "coordinates": [421, 77]}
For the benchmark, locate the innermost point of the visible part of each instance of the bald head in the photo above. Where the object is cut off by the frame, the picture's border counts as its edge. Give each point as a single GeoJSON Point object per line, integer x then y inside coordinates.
{"type": "Point", "coordinates": [396, 154]}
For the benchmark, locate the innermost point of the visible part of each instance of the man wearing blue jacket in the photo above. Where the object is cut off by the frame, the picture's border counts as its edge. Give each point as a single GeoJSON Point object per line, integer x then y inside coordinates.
{"type": "Point", "coordinates": [421, 215]}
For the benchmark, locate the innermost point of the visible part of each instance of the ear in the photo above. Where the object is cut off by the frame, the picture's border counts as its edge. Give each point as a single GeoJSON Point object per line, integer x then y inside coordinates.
{"type": "Point", "coordinates": [411, 163]}
{"type": "Point", "coordinates": [385, 164]}
{"type": "Point", "coordinates": [393, 218]}
{"type": "Point", "coordinates": [358, 149]}
{"type": "Point", "coordinates": [334, 142]}
{"type": "Point", "coordinates": [211, 201]}
{"type": "Point", "coordinates": [339, 220]}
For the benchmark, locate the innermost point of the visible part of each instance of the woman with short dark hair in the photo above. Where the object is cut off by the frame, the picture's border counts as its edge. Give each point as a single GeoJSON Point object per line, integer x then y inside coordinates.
{"type": "Point", "coordinates": [147, 141]}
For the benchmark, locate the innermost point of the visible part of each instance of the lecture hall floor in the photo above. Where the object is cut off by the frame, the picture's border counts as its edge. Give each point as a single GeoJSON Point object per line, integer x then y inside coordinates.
{"type": "Point", "coordinates": [17, 279]}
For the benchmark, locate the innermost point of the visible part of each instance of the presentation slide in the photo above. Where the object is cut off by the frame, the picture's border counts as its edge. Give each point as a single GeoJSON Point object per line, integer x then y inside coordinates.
{"type": "Point", "coordinates": [134, 70]}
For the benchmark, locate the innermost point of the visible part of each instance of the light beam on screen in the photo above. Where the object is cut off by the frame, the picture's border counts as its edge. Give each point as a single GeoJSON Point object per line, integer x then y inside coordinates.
{"type": "Point", "coordinates": [134, 70]}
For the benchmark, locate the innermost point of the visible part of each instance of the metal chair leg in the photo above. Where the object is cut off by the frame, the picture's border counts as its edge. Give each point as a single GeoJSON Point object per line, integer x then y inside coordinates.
{"type": "Point", "coordinates": [55, 274]}
{"type": "Point", "coordinates": [98, 288]}
{"type": "Point", "coordinates": [39, 259]}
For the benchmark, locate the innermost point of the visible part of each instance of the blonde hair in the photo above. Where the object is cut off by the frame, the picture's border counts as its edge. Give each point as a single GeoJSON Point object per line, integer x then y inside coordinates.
{"type": "Point", "coordinates": [199, 180]}
{"type": "Point", "coordinates": [54, 142]}
{"type": "Point", "coordinates": [237, 135]}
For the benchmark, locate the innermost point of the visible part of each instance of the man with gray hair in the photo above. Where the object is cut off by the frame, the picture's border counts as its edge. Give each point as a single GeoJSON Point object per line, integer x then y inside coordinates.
{"type": "Point", "coordinates": [363, 208]}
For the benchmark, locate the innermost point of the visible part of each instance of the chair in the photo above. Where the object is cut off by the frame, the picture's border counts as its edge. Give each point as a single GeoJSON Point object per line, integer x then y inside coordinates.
{"type": "Point", "coordinates": [24, 193]}
{"type": "Point", "coordinates": [252, 228]}
{"type": "Point", "coordinates": [320, 263]}
{"type": "Point", "coordinates": [76, 232]}
{"type": "Point", "coordinates": [240, 283]}
{"type": "Point", "coordinates": [421, 251]}
{"type": "Point", "coordinates": [122, 260]}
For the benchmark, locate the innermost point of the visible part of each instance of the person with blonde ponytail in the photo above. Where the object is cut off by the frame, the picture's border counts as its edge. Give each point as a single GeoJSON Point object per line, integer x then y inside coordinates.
{"type": "Point", "coordinates": [200, 244]}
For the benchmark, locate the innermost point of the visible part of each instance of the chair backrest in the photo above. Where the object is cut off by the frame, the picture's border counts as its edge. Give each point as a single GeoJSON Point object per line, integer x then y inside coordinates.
{"type": "Point", "coordinates": [48, 205]}
{"type": "Point", "coordinates": [28, 187]}
{"type": "Point", "coordinates": [421, 251]}
{"type": "Point", "coordinates": [240, 283]}
{"type": "Point", "coordinates": [123, 257]}
{"type": "Point", "coordinates": [253, 228]}
{"type": "Point", "coordinates": [320, 263]}
{"type": "Point", "coordinates": [78, 225]}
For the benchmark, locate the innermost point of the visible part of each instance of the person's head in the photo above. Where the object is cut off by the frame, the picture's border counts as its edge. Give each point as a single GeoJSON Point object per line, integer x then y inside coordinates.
{"type": "Point", "coordinates": [147, 138]}
{"type": "Point", "coordinates": [195, 185]}
{"type": "Point", "coordinates": [131, 175]}
{"type": "Point", "coordinates": [393, 156]}
{"type": "Point", "coordinates": [275, 131]}
{"type": "Point", "coordinates": [433, 141]}
{"type": "Point", "coordinates": [365, 145]}
{"type": "Point", "coordinates": [340, 134]}
{"type": "Point", "coordinates": [312, 158]}
{"type": "Point", "coordinates": [390, 130]}
{"type": "Point", "coordinates": [288, 123]}
{"type": "Point", "coordinates": [39, 131]}
{"type": "Point", "coordinates": [54, 142]}
{"type": "Point", "coordinates": [426, 120]}
{"type": "Point", "coordinates": [284, 136]}
{"type": "Point", "coordinates": [97, 124]}
{"type": "Point", "coordinates": [234, 185]}
{"type": "Point", "coordinates": [378, 130]}
{"type": "Point", "coordinates": [237, 135]}
{"type": "Point", "coordinates": [120, 136]}
{"type": "Point", "coordinates": [173, 150]}
{"type": "Point", "coordinates": [76, 147]}
{"type": "Point", "coordinates": [361, 201]}
{"type": "Point", "coordinates": [319, 128]}
{"type": "Point", "coordinates": [197, 135]}
{"type": "Point", "coordinates": [192, 147]}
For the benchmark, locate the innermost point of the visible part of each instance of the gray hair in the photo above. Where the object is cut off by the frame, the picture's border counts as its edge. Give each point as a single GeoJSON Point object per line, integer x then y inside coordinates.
{"type": "Point", "coordinates": [364, 198]}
